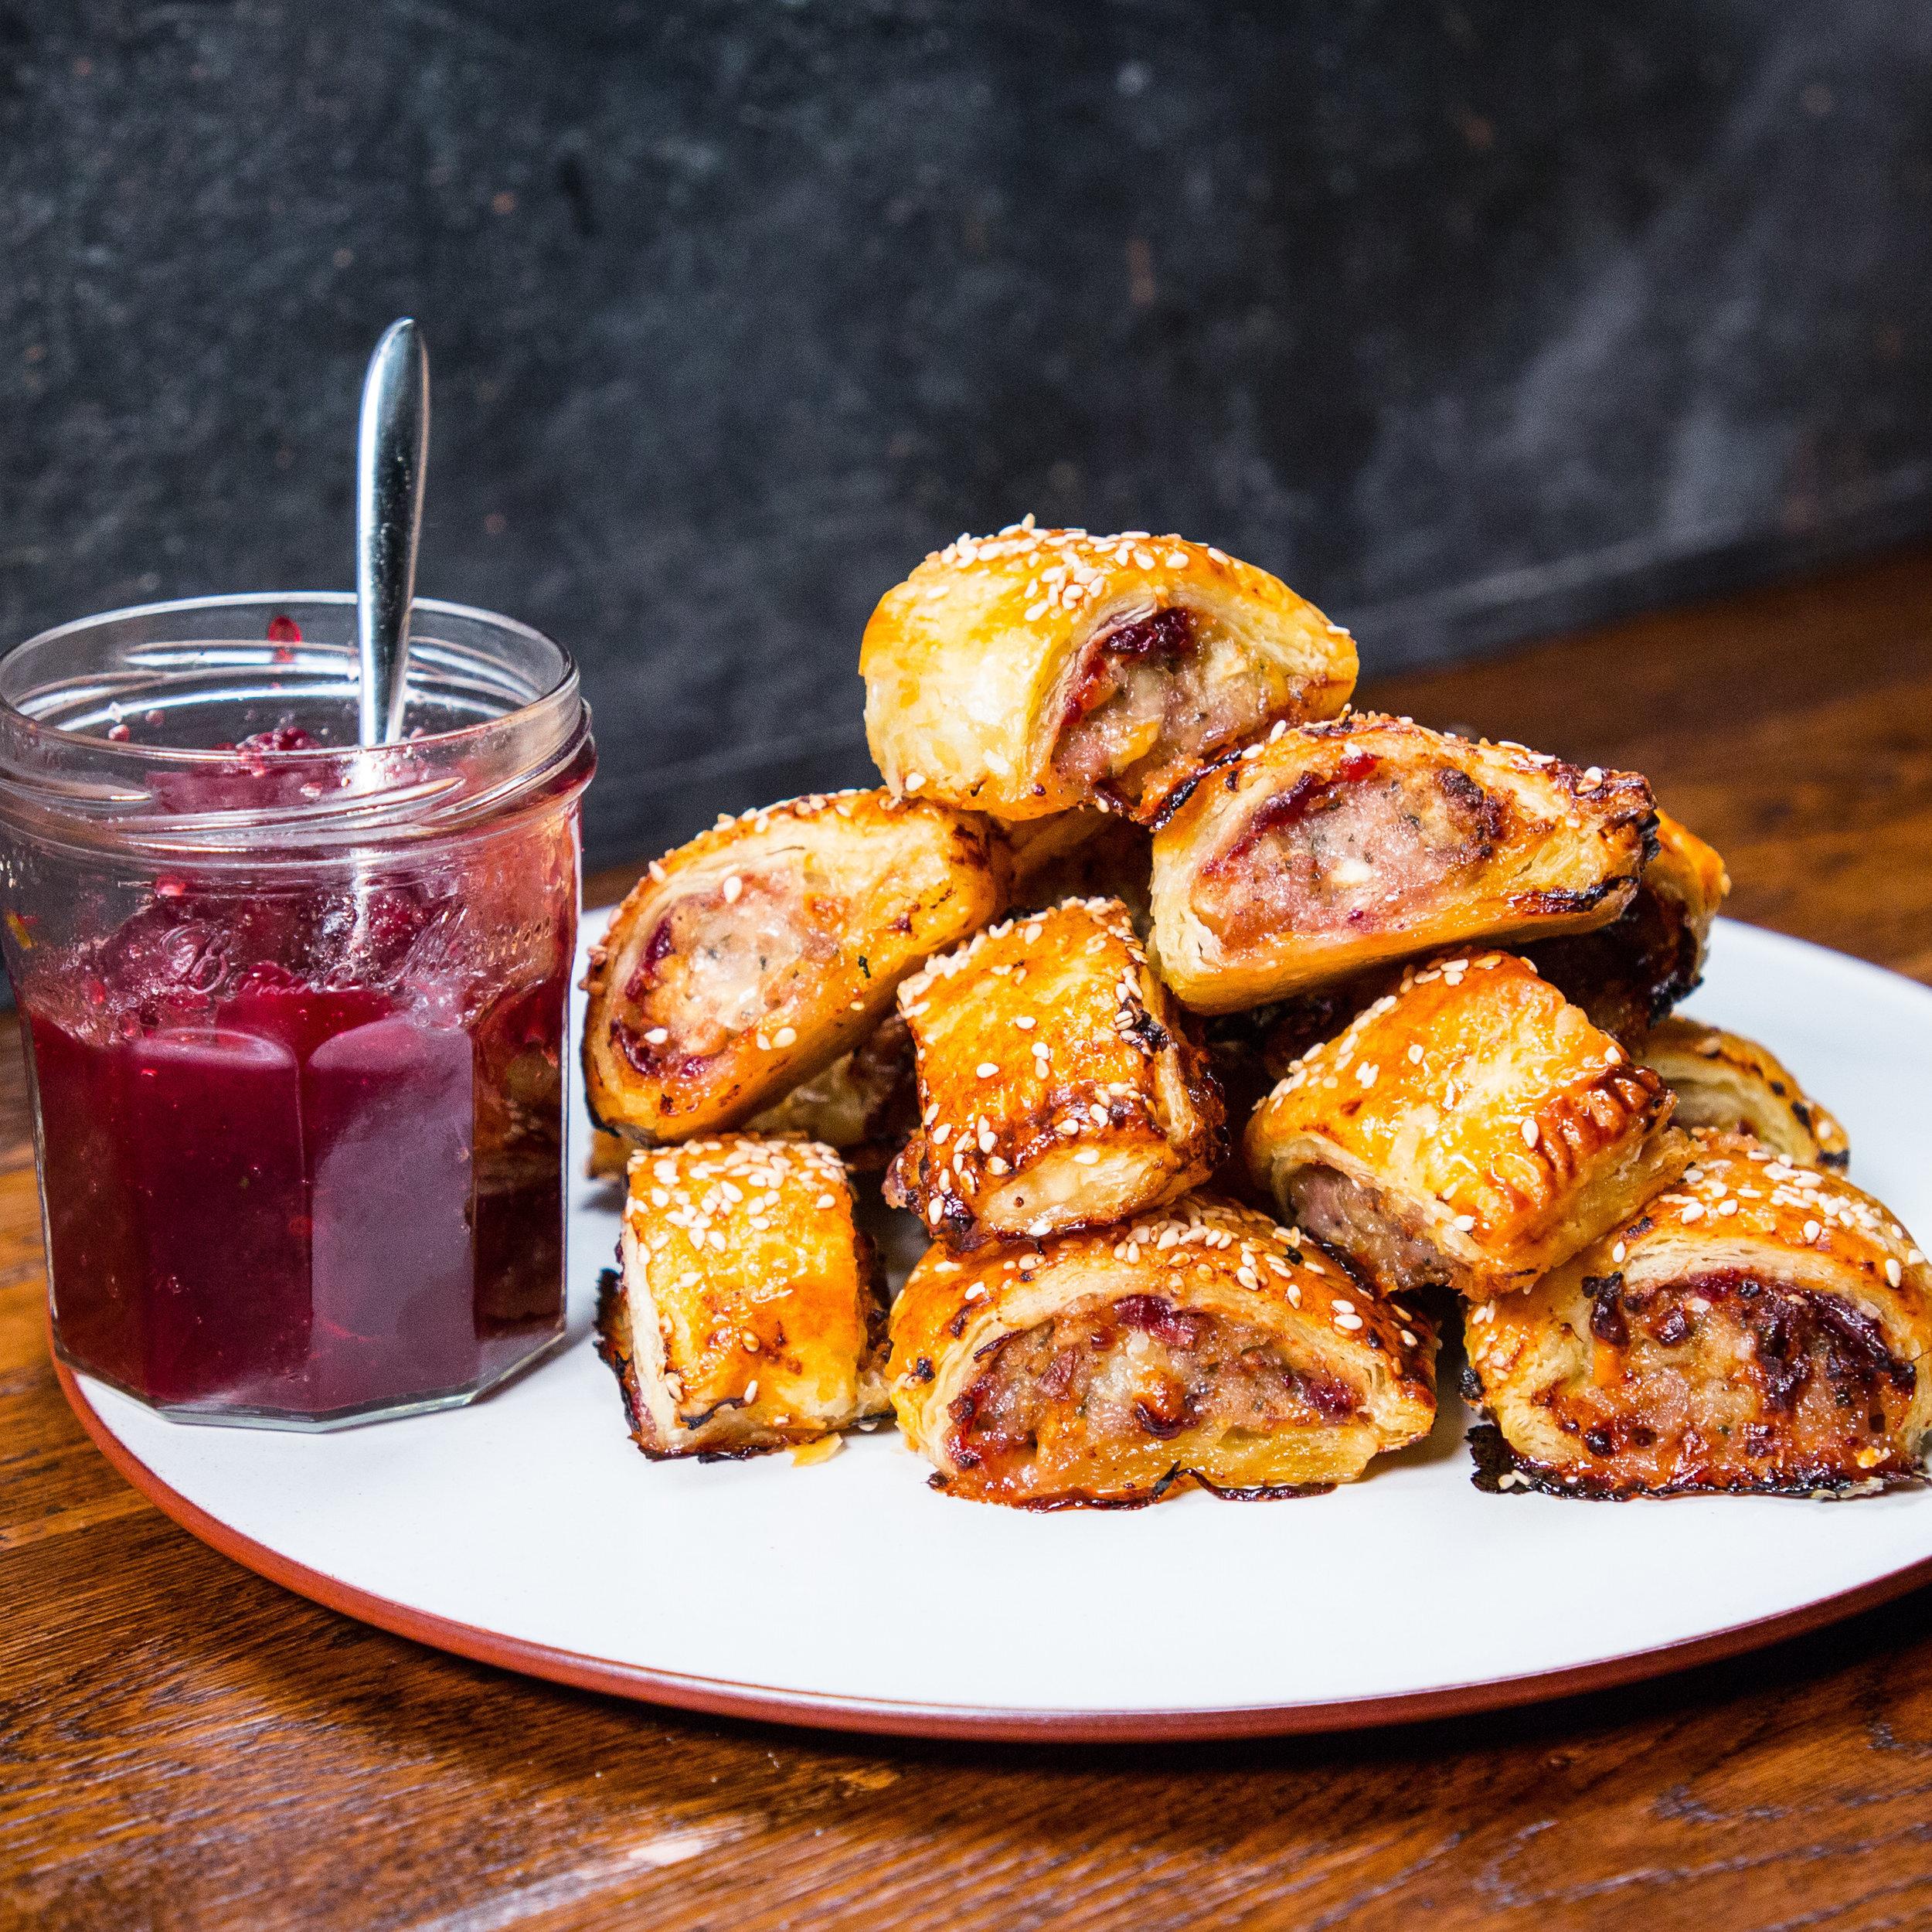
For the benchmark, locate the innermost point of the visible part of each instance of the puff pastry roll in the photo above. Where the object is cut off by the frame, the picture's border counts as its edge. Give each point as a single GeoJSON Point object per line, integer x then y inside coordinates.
{"type": "Point", "coordinates": [1328, 849]}
{"type": "Point", "coordinates": [1033, 672]}
{"type": "Point", "coordinates": [1058, 1086]}
{"type": "Point", "coordinates": [1199, 1346]}
{"type": "Point", "coordinates": [1759, 1327]}
{"type": "Point", "coordinates": [749, 1312]}
{"type": "Point", "coordinates": [1471, 1129]}
{"type": "Point", "coordinates": [750, 959]}
{"type": "Point", "coordinates": [1628, 974]}
{"type": "Point", "coordinates": [1724, 1080]}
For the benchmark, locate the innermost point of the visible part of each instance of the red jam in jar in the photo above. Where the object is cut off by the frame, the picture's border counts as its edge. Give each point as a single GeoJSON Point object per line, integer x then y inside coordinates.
{"type": "Point", "coordinates": [300, 1115]}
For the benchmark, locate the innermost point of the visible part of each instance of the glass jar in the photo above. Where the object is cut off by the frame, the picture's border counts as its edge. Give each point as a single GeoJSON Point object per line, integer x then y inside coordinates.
{"type": "Point", "coordinates": [294, 1008]}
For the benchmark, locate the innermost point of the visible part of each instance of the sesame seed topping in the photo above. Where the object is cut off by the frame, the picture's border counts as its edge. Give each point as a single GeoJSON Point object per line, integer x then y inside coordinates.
{"type": "Point", "coordinates": [986, 1070]}
{"type": "Point", "coordinates": [734, 886]}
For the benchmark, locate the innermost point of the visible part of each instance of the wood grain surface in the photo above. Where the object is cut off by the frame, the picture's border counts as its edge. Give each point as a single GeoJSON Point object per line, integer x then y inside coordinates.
{"type": "Point", "coordinates": [183, 1745]}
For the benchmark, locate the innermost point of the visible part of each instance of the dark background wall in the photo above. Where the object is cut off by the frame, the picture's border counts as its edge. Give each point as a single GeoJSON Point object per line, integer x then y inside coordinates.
{"type": "Point", "coordinates": [1469, 320]}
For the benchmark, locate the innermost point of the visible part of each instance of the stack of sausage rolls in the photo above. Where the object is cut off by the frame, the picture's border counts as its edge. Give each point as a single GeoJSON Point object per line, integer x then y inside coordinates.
{"type": "Point", "coordinates": [1227, 1045]}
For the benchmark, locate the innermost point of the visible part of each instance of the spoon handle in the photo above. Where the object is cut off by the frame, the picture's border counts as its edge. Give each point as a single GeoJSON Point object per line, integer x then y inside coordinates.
{"type": "Point", "coordinates": [392, 453]}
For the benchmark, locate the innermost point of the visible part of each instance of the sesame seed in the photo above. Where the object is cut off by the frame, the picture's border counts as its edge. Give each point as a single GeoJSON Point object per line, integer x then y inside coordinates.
{"type": "Point", "coordinates": [1025, 1022]}
{"type": "Point", "coordinates": [1415, 1054]}
{"type": "Point", "coordinates": [657, 1036]}
{"type": "Point", "coordinates": [1893, 1272]}
{"type": "Point", "coordinates": [986, 1070]}
{"type": "Point", "coordinates": [1531, 1133]}
{"type": "Point", "coordinates": [1812, 1230]}
{"type": "Point", "coordinates": [732, 887]}
{"type": "Point", "coordinates": [915, 781]}
{"type": "Point", "coordinates": [785, 1036]}
{"type": "Point", "coordinates": [1618, 1252]}
{"type": "Point", "coordinates": [1348, 1321]}
{"type": "Point", "coordinates": [1408, 1340]}
{"type": "Point", "coordinates": [1087, 1157]}
{"type": "Point", "coordinates": [1692, 1211]}
{"type": "Point", "coordinates": [1463, 1222]}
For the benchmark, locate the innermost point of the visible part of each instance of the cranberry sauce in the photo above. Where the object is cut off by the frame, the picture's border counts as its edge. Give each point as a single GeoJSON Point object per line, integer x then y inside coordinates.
{"type": "Point", "coordinates": [301, 1149]}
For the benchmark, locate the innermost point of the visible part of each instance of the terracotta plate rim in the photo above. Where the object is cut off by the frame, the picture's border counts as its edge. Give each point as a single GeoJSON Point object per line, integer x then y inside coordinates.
{"type": "Point", "coordinates": [765, 1703]}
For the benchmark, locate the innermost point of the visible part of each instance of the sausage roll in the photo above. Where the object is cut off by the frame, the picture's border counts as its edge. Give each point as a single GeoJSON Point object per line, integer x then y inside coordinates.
{"type": "Point", "coordinates": [1313, 855]}
{"type": "Point", "coordinates": [1200, 1345]}
{"type": "Point", "coordinates": [749, 1311]}
{"type": "Point", "coordinates": [1471, 1129]}
{"type": "Point", "coordinates": [1723, 1080]}
{"type": "Point", "coordinates": [748, 961]}
{"type": "Point", "coordinates": [1058, 1087]}
{"type": "Point", "coordinates": [1628, 974]}
{"type": "Point", "coordinates": [1033, 672]}
{"type": "Point", "coordinates": [1759, 1327]}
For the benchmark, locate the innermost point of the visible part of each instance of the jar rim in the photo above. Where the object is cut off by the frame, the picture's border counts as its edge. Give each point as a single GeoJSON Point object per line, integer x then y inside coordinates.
{"type": "Point", "coordinates": [527, 736]}
{"type": "Point", "coordinates": [188, 756]}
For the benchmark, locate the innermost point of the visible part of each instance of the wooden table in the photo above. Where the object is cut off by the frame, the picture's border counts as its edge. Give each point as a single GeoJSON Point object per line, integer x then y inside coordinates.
{"type": "Point", "coordinates": [186, 1746]}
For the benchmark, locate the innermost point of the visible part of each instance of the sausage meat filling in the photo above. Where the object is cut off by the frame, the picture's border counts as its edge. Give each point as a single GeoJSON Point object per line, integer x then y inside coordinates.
{"type": "Point", "coordinates": [1149, 701]}
{"type": "Point", "coordinates": [1110, 1398]}
{"type": "Point", "coordinates": [1727, 1380]}
{"type": "Point", "coordinates": [717, 961]}
{"type": "Point", "coordinates": [1372, 1230]}
{"type": "Point", "coordinates": [1340, 850]}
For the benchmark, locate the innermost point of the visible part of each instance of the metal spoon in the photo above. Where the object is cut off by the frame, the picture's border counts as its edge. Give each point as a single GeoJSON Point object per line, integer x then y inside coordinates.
{"type": "Point", "coordinates": [392, 453]}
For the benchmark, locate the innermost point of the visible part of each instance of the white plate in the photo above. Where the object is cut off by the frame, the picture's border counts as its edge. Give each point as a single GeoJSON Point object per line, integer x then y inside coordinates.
{"type": "Point", "coordinates": [529, 1531]}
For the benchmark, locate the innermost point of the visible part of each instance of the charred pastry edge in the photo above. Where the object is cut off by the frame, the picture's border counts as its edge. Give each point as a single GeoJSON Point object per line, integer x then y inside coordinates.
{"type": "Point", "coordinates": [911, 1179]}
{"type": "Point", "coordinates": [992, 853]}
{"type": "Point", "coordinates": [1500, 1470]}
{"type": "Point", "coordinates": [1176, 1482]}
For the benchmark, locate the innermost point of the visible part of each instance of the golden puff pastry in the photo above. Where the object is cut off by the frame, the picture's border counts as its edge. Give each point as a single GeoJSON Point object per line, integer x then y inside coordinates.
{"type": "Point", "coordinates": [749, 1312]}
{"type": "Point", "coordinates": [1033, 671]}
{"type": "Point", "coordinates": [1199, 1345]}
{"type": "Point", "coordinates": [1058, 1086]}
{"type": "Point", "coordinates": [1628, 974]}
{"type": "Point", "coordinates": [1471, 1129]}
{"type": "Point", "coordinates": [1759, 1326]}
{"type": "Point", "coordinates": [1325, 850]}
{"type": "Point", "coordinates": [1724, 1080]}
{"type": "Point", "coordinates": [748, 961]}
